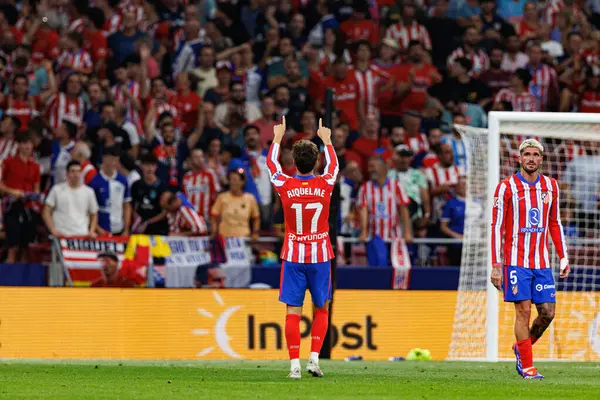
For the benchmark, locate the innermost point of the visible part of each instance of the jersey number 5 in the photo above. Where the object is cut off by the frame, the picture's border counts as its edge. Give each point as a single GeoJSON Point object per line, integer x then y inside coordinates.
{"type": "Point", "coordinates": [318, 207]}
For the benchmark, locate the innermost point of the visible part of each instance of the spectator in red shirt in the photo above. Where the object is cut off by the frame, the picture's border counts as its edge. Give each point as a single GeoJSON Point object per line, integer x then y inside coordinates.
{"type": "Point", "coordinates": [370, 141]}
{"type": "Point", "coordinates": [20, 184]}
{"type": "Point", "coordinates": [95, 41]}
{"type": "Point", "coordinates": [112, 276]}
{"type": "Point", "coordinates": [266, 123]}
{"type": "Point", "coordinates": [358, 27]}
{"type": "Point", "coordinates": [187, 102]}
{"type": "Point", "coordinates": [346, 96]}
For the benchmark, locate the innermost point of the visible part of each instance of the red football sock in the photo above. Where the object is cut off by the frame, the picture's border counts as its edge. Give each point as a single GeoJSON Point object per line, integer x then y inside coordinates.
{"type": "Point", "coordinates": [526, 353]}
{"type": "Point", "coordinates": [533, 340]}
{"type": "Point", "coordinates": [292, 335]}
{"type": "Point", "coordinates": [319, 329]}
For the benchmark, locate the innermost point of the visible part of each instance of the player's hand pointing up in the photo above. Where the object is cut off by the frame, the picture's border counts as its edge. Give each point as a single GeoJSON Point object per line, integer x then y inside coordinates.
{"type": "Point", "coordinates": [324, 133]}
{"type": "Point", "coordinates": [279, 131]}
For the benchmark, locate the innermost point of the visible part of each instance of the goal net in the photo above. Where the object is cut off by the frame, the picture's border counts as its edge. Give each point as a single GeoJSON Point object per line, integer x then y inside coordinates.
{"type": "Point", "coordinates": [483, 323]}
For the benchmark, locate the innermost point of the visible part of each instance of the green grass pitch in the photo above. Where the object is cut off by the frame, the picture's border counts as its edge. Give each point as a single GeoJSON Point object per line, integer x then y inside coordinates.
{"type": "Point", "coordinates": [266, 380]}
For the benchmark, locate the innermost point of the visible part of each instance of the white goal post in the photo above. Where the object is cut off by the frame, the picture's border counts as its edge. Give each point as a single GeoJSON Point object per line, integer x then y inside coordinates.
{"type": "Point", "coordinates": [482, 323]}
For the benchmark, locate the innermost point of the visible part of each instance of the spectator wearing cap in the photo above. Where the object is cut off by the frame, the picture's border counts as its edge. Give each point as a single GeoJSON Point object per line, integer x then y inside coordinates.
{"type": "Point", "coordinates": [235, 106]}
{"type": "Point", "coordinates": [71, 208]}
{"type": "Point", "coordinates": [388, 52]}
{"type": "Point", "coordinates": [209, 276]}
{"type": "Point", "coordinates": [9, 125]}
{"type": "Point", "coordinates": [233, 159]}
{"type": "Point", "coordinates": [517, 94]}
{"type": "Point", "coordinates": [206, 73]}
{"type": "Point", "coordinates": [370, 142]}
{"type": "Point", "coordinates": [220, 93]}
{"type": "Point", "coordinates": [452, 222]}
{"type": "Point", "coordinates": [64, 141]}
{"type": "Point", "coordinates": [414, 183]}
{"type": "Point", "coordinates": [182, 217]}
{"type": "Point", "coordinates": [235, 213]}
{"type": "Point", "coordinates": [113, 195]}
{"type": "Point", "coordinates": [479, 60]}
{"type": "Point", "coordinates": [20, 178]}
{"type": "Point", "coordinates": [408, 28]}
{"type": "Point", "coordinates": [116, 274]}
{"type": "Point", "coordinates": [469, 89]}
{"type": "Point", "coordinates": [149, 217]}
{"type": "Point", "coordinates": [346, 97]}
{"type": "Point", "coordinates": [358, 27]}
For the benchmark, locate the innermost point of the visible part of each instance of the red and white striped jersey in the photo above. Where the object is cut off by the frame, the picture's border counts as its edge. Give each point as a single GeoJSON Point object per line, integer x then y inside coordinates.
{"type": "Point", "coordinates": [8, 147]}
{"type": "Point", "coordinates": [439, 175]}
{"type": "Point", "coordinates": [552, 10]}
{"type": "Point", "coordinates": [382, 203]}
{"type": "Point", "coordinates": [522, 215]}
{"type": "Point", "coordinates": [24, 109]}
{"type": "Point", "coordinates": [305, 201]}
{"type": "Point", "coordinates": [543, 85]}
{"type": "Point", "coordinates": [368, 82]}
{"type": "Point", "coordinates": [186, 220]}
{"type": "Point", "coordinates": [88, 172]}
{"type": "Point", "coordinates": [133, 115]}
{"type": "Point", "coordinates": [418, 144]}
{"type": "Point", "coordinates": [60, 107]}
{"type": "Point", "coordinates": [520, 102]}
{"type": "Point", "coordinates": [77, 25]}
{"type": "Point", "coordinates": [80, 59]}
{"type": "Point", "coordinates": [201, 189]}
{"type": "Point", "coordinates": [480, 60]}
{"type": "Point", "coordinates": [403, 34]}
{"type": "Point", "coordinates": [112, 24]}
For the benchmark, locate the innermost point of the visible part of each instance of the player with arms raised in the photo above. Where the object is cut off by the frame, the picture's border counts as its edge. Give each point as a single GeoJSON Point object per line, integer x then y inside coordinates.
{"type": "Point", "coordinates": [306, 248]}
{"type": "Point", "coordinates": [526, 208]}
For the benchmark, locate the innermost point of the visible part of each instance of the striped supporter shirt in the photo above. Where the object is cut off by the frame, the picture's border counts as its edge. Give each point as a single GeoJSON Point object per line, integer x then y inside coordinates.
{"type": "Point", "coordinates": [523, 214]}
{"type": "Point", "coordinates": [305, 201]}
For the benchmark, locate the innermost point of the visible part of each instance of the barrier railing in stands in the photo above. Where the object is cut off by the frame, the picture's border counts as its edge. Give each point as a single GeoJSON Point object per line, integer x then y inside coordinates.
{"type": "Point", "coordinates": [77, 256]}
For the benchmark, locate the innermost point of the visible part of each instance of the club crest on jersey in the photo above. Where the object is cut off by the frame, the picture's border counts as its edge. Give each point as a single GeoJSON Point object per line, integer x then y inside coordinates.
{"type": "Point", "coordinates": [534, 216]}
{"type": "Point", "coordinates": [546, 197]}
{"type": "Point", "coordinates": [515, 289]}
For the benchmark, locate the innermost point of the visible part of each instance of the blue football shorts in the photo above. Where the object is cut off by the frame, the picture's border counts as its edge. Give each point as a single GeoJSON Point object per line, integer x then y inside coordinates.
{"type": "Point", "coordinates": [295, 278]}
{"type": "Point", "coordinates": [521, 284]}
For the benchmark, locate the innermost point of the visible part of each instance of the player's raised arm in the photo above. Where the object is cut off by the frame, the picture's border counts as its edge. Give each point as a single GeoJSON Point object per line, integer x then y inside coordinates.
{"type": "Point", "coordinates": [557, 234]}
{"type": "Point", "coordinates": [276, 176]}
{"type": "Point", "coordinates": [498, 219]}
{"type": "Point", "coordinates": [332, 166]}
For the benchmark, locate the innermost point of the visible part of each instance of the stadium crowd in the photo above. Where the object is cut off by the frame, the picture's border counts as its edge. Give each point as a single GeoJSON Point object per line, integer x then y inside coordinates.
{"type": "Point", "coordinates": [154, 117]}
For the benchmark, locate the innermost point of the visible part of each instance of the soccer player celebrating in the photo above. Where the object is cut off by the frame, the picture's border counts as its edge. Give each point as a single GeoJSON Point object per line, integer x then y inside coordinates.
{"type": "Point", "coordinates": [306, 248]}
{"type": "Point", "coordinates": [526, 208]}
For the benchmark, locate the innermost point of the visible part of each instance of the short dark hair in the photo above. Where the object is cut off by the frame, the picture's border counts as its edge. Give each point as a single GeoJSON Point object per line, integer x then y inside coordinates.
{"type": "Point", "coordinates": [363, 42]}
{"type": "Point", "coordinates": [248, 127]}
{"type": "Point", "coordinates": [72, 163]}
{"type": "Point", "coordinates": [201, 274]}
{"type": "Point", "coordinates": [15, 121]}
{"type": "Point", "coordinates": [305, 155]}
{"type": "Point", "coordinates": [234, 150]}
{"type": "Point", "coordinates": [71, 128]}
{"type": "Point", "coordinates": [20, 76]}
{"type": "Point", "coordinates": [524, 76]}
{"type": "Point", "coordinates": [149, 158]}
{"type": "Point", "coordinates": [107, 103]}
{"type": "Point", "coordinates": [76, 37]}
{"type": "Point", "coordinates": [24, 137]}
{"type": "Point", "coordinates": [96, 16]}
{"type": "Point", "coordinates": [239, 172]}
{"type": "Point", "coordinates": [112, 151]}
